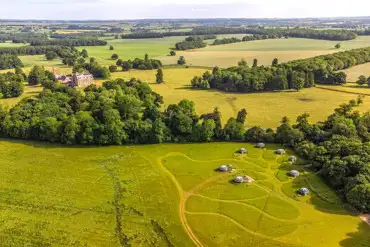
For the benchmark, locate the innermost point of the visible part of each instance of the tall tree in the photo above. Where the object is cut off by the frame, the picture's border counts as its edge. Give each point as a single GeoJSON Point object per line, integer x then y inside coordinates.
{"type": "Point", "coordinates": [159, 76]}
{"type": "Point", "coordinates": [242, 116]}
{"type": "Point", "coordinates": [255, 62]}
{"type": "Point", "coordinates": [275, 62]}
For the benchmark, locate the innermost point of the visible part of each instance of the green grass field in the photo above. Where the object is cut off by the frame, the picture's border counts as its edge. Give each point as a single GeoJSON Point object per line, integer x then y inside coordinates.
{"type": "Point", "coordinates": [264, 109]}
{"type": "Point", "coordinates": [164, 195]}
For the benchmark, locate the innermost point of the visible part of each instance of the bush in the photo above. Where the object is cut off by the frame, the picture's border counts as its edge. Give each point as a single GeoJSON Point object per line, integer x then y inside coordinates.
{"type": "Point", "coordinates": [113, 68]}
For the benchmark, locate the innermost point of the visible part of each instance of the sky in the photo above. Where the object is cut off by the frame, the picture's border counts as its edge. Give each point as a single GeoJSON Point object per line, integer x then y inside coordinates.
{"type": "Point", "coordinates": [160, 9]}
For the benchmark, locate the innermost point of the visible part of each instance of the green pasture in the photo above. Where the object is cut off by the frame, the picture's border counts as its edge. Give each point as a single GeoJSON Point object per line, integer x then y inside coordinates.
{"type": "Point", "coordinates": [164, 195]}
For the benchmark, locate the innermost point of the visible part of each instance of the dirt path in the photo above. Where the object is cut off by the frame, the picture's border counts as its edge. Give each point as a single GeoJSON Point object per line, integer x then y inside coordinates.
{"type": "Point", "coordinates": [183, 198]}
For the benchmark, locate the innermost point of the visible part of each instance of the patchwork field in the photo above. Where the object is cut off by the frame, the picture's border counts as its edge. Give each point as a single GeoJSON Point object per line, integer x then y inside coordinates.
{"type": "Point", "coordinates": [164, 195]}
{"type": "Point", "coordinates": [264, 109]}
{"type": "Point", "coordinates": [222, 55]}
{"type": "Point", "coordinates": [264, 50]}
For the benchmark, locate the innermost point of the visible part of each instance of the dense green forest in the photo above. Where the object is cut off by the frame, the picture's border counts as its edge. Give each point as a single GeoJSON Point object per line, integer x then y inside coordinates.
{"type": "Point", "coordinates": [291, 75]}
{"type": "Point", "coordinates": [129, 112]}
{"type": "Point", "coordinates": [325, 34]}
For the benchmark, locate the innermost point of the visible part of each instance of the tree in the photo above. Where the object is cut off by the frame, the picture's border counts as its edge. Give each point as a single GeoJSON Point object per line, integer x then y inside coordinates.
{"type": "Point", "coordinates": [242, 63]}
{"type": "Point", "coordinates": [159, 76]}
{"type": "Point", "coordinates": [233, 130]}
{"type": "Point", "coordinates": [111, 48]}
{"type": "Point", "coordinates": [338, 46]}
{"type": "Point", "coordinates": [119, 62]}
{"type": "Point", "coordinates": [172, 53]}
{"type": "Point", "coordinates": [114, 56]}
{"type": "Point", "coordinates": [242, 116]}
{"type": "Point", "coordinates": [146, 58]}
{"type": "Point", "coordinates": [113, 68]}
{"type": "Point", "coordinates": [92, 60]}
{"type": "Point", "coordinates": [36, 75]}
{"type": "Point", "coordinates": [297, 81]}
{"type": "Point", "coordinates": [126, 66]}
{"type": "Point", "coordinates": [255, 62]}
{"type": "Point", "coordinates": [181, 60]}
{"type": "Point", "coordinates": [275, 62]}
{"type": "Point", "coordinates": [51, 55]}
{"type": "Point", "coordinates": [362, 80]}
{"type": "Point", "coordinates": [84, 53]}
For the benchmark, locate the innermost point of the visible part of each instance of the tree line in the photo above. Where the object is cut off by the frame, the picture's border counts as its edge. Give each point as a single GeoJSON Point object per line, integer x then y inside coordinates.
{"type": "Point", "coordinates": [246, 39]}
{"type": "Point", "coordinates": [325, 34]}
{"type": "Point", "coordinates": [191, 42]}
{"type": "Point", "coordinates": [140, 64]}
{"type": "Point", "coordinates": [69, 42]}
{"type": "Point", "coordinates": [291, 75]}
{"type": "Point", "coordinates": [225, 41]}
{"type": "Point", "coordinates": [129, 112]}
{"type": "Point", "coordinates": [22, 37]}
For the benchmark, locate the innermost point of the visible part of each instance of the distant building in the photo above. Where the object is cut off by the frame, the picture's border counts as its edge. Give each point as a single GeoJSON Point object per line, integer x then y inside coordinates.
{"type": "Point", "coordinates": [75, 80]}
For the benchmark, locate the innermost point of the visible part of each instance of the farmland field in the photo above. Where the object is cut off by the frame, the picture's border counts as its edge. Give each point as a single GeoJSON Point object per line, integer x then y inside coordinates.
{"type": "Point", "coordinates": [264, 109]}
{"type": "Point", "coordinates": [264, 50]}
{"type": "Point", "coordinates": [354, 72]}
{"type": "Point", "coordinates": [222, 55]}
{"type": "Point", "coordinates": [164, 195]}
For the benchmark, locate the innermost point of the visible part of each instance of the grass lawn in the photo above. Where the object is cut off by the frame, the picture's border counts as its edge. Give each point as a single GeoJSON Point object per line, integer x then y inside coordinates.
{"type": "Point", "coordinates": [163, 195]}
{"type": "Point", "coordinates": [264, 109]}
{"type": "Point", "coordinates": [132, 48]}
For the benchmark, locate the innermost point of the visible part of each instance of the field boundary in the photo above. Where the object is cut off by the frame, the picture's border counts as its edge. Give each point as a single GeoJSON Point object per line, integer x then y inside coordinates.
{"type": "Point", "coordinates": [343, 91]}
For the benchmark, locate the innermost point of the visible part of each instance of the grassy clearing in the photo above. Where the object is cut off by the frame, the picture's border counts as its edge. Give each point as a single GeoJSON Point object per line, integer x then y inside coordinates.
{"type": "Point", "coordinates": [115, 196]}
{"type": "Point", "coordinates": [28, 92]}
{"type": "Point", "coordinates": [264, 109]}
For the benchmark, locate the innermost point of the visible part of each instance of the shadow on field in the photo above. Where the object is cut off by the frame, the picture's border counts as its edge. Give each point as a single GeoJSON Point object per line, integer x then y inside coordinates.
{"type": "Point", "coordinates": [361, 238]}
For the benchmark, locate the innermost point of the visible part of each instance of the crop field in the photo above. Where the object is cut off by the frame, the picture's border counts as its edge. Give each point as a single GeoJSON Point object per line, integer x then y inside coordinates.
{"type": "Point", "coordinates": [263, 50]}
{"type": "Point", "coordinates": [354, 72]}
{"type": "Point", "coordinates": [222, 55]}
{"type": "Point", "coordinates": [264, 109]}
{"type": "Point", "coordinates": [165, 195]}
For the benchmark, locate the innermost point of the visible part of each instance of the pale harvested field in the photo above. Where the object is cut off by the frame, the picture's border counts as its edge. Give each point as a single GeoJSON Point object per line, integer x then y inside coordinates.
{"type": "Point", "coordinates": [354, 72]}
{"type": "Point", "coordinates": [203, 57]}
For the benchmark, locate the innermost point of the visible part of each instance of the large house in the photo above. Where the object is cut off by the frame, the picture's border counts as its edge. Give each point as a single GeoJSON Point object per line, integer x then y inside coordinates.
{"type": "Point", "coordinates": [76, 80]}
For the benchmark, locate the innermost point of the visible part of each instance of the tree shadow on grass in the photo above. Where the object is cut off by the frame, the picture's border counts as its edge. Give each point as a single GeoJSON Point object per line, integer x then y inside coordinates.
{"type": "Point", "coordinates": [361, 238]}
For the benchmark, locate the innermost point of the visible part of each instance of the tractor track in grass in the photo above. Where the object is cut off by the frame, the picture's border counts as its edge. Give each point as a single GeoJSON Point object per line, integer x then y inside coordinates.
{"type": "Point", "coordinates": [185, 195]}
